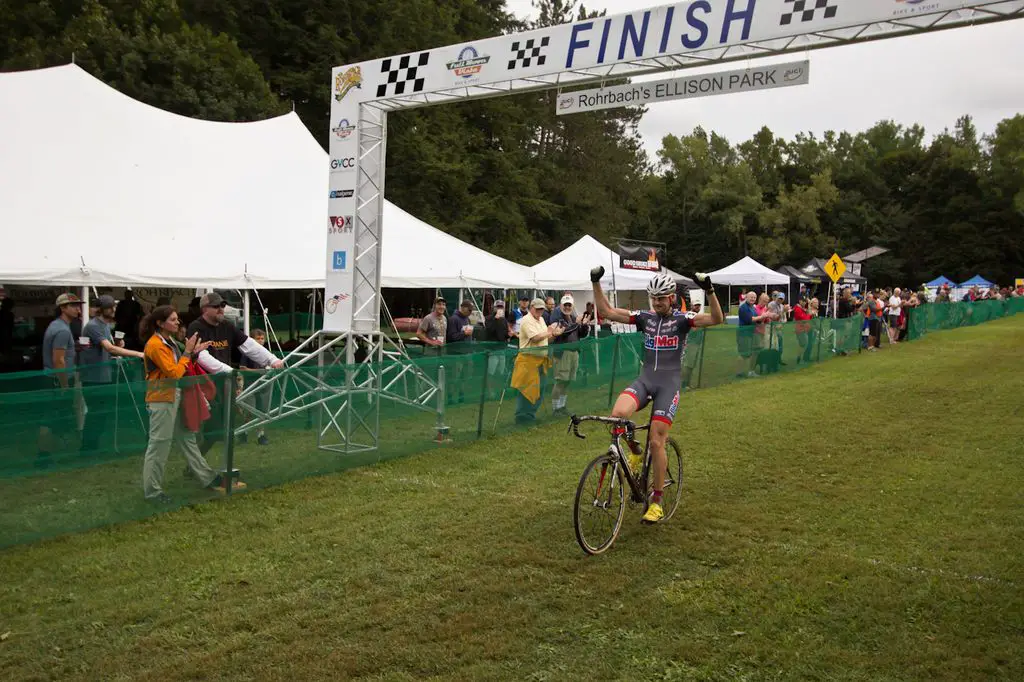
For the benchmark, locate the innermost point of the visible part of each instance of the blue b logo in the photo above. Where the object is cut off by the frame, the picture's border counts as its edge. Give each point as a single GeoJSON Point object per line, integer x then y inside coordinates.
{"type": "Point", "coordinates": [339, 260]}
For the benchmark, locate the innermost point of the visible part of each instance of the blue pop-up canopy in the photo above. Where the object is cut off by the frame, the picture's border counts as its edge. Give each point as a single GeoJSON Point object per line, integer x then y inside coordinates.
{"type": "Point", "coordinates": [976, 281]}
{"type": "Point", "coordinates": [940, 281]}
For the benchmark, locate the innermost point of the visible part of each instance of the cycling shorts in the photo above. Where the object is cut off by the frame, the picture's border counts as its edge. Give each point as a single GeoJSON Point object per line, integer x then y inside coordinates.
{"type": "Point", "coordinates": [664, 395]}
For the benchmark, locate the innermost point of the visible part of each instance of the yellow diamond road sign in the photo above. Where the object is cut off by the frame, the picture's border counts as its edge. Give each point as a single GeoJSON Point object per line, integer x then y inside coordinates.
{"type": "Point", "coordinates": [835, 267]}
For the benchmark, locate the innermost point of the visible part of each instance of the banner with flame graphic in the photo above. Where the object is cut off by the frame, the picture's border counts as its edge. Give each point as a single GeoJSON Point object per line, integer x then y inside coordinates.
{"type": "Point", "coordinates": [641, 257]}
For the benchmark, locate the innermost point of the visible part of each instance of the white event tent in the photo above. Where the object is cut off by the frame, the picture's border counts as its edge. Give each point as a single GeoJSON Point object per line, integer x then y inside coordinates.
{"type": "Point", "coordinates": [570, 269]}
{"type": "Point", "coordinates": [748, 272]}
{"type": "Point", "coordinates": [98, 189]}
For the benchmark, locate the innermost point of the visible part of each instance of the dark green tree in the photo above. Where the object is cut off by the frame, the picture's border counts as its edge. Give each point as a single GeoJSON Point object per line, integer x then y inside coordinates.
{"type": "Point", "coordinates": [144, 49]}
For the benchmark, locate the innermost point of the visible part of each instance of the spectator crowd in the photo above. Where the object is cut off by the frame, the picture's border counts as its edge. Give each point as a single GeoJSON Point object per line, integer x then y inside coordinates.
{"type": "Point", "coordinates": [532, 343]}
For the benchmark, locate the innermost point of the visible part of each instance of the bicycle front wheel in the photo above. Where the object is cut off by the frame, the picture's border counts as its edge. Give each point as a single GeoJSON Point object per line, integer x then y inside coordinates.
{"type": "Point", "coordinates": [672, 493]}
{"type": "Point", "coordinates": [600, 505]}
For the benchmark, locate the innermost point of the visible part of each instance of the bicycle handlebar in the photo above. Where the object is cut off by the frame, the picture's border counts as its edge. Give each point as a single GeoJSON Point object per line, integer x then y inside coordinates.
{"type": "Point", "coordinates": [574, 424]}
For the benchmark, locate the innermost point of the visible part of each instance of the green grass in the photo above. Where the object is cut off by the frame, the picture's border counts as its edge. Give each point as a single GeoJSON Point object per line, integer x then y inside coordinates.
{"type": "Point", "coordinates": [857, 520]}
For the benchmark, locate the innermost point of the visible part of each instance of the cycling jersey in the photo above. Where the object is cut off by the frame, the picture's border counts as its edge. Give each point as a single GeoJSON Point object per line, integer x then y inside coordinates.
{"type": "Point", "coordinates": [664, 348]}
{"type": "Point", "coordinates": [664, 340]}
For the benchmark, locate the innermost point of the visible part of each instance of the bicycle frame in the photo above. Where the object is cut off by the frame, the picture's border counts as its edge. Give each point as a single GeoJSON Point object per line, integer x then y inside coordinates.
{"type": "Point", "coordinates": [637, 487]}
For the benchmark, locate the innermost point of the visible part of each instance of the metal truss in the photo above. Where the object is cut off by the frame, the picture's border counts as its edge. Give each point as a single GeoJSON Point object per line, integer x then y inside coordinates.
{"type": "Point", "coordinates": [349, 376]}
{"type": "Point", "coordinates": [322, 378]}
{"type": "Point", "coordinates": [970, 14]}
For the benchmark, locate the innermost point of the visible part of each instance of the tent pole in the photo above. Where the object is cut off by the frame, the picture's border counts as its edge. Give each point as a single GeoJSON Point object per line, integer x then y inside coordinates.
{"type": "Point", "coordinates": [85, 305]}
{"type": "Point", "coordinates": [245, 311]}
{"type": "Point", "coordinates": [291, 314]}
{"type": "Point", "coordinates": [615, 289]}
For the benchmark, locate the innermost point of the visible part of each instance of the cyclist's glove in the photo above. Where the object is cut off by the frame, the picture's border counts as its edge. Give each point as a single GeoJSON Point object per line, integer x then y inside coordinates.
{"type": "Point", "coordinates": [597, 273]}
{"type": "Point", "coordinates": [703, 280]}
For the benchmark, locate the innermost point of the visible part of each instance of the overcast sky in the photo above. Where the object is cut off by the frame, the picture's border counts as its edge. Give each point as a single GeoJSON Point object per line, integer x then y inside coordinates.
{"type": "Point", "coordinates": [930, 79]}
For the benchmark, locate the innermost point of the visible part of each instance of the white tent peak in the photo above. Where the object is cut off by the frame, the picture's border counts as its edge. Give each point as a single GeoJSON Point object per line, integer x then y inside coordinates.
{"type": "Point", "coordinates": [69, 82]}
{"type": "Point", "coordinates": [747, 271]}
{"type": "Point", "coordinates": [99, 189]}
{"type": "Point", "coordinates": [570, 269]}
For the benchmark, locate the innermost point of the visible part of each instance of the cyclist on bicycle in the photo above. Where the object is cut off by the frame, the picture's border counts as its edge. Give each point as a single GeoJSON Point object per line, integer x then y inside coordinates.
{"type": "Point", "coordinates": [664, 331]}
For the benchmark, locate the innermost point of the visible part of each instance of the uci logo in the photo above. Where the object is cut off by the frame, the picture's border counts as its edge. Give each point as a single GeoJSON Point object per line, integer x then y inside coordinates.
{"type": "Point", "coordinates": [343, 164]}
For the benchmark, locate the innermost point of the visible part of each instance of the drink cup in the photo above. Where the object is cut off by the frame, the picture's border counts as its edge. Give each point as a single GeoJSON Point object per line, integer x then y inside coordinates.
{"type": "Point", "coordinates": [119, 336]}
{"type": "Point", "coordinates": [83, 341]}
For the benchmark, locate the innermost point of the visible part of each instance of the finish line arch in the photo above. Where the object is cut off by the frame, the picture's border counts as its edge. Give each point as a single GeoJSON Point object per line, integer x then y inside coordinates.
{"type": "Point", "coordinates": [662, 39]}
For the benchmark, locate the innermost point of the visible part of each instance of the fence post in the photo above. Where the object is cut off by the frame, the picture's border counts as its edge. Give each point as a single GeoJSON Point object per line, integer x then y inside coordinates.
{"type": "Point", "coordinates": [442, 400]}
{"type": "Point", "coordinates": [820, 334]}
{"type": "Point", "coordinates": [229, 435]}
{"type": "Point", "coordinates": [700, 369]}
{"type": "Point", "coordinates": [483, 395]}
{"type": "Point", "coordinates": [615, 362]}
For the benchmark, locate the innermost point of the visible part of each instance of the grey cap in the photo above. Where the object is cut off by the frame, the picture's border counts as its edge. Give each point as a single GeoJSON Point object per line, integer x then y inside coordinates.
{"type": "Point", "coordinates": [105, 301]}
{"type": "Point", "coordinates": [539, 303]}
{"type": "Point", "coordinates": [211, 300]}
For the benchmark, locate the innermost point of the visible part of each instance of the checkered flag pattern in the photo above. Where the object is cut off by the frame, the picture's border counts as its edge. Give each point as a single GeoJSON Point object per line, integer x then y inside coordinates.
{"type": "Point", "coordinates": [808, 10]}
{"type": "Point", "coordinates": [403, 75]}
{"type": "Point", "coordinates": [528, 54]}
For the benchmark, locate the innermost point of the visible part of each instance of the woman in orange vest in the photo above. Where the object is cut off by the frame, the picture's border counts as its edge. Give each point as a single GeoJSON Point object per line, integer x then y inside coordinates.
{"type": "Point", "coordinates": [165, 366]}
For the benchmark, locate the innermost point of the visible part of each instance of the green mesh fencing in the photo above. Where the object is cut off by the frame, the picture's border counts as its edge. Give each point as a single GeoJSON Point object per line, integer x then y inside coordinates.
{"type": "Point", "coordinates": [939, 316]}
{"type": "Point", "coordinates": [73, 458]}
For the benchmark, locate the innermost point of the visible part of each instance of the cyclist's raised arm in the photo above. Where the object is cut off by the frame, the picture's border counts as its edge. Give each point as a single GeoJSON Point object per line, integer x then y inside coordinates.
{"type": "Point", "coordinates": [604, 308]}
{"type": "Point", "coordinates": [715, 316]}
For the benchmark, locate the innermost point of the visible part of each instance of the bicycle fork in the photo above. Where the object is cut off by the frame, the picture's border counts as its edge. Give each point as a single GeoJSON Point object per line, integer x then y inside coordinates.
{"type": "Point", "coordinates": [618, 460]}
{"type": "Point", "coordinates": [605, 504]}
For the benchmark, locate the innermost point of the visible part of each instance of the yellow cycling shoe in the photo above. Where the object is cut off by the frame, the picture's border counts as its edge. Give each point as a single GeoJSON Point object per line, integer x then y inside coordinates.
{"type": "Point", "coordinates": [654, 513]}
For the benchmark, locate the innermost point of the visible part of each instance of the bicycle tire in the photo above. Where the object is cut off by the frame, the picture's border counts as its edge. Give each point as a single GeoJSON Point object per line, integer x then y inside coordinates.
{"type": "Point", "coordinates": [672, 494]}
{"type": "Point", "coordinates": [604, 463]}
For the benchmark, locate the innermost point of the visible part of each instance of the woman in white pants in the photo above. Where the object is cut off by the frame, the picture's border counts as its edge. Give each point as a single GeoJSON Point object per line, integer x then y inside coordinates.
{"type": "Point", "coordinates": [165, 366]}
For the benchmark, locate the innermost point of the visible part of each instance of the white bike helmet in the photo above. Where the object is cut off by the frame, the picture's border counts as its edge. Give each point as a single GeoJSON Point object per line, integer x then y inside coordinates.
{"type": "Point", "coordinates": [661, 285]}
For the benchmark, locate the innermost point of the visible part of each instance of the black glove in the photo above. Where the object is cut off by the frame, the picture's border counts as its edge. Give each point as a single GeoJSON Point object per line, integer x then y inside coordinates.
{"type": "Point", "coordinates": [597, 273]}
{"type": "Point", "coordinates": [703, 280]}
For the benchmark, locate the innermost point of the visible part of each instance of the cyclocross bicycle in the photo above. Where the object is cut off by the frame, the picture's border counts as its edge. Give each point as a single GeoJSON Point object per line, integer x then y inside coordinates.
{"type": "Point", "coordinates": [600, 502]}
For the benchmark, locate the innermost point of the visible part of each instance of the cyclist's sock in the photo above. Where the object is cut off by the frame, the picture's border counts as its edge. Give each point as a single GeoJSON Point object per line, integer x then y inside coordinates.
{"type": "Point", "coordinates": [657, 496]}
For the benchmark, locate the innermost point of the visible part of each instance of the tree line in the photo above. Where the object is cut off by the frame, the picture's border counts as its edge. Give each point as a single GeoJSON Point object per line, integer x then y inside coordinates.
{"type": "Point", "coordinates": [512, 177]}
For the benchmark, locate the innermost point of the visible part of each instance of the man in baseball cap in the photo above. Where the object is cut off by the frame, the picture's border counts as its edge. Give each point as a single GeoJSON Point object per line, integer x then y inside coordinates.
{"type": "Point", "coordinates": [97, 371]}
{"type": "Point", "coordinates": [496, 329]}
{"type": "Point", "coordinates": [567, 360]}
{"type": "Point", "coordinates": [227, 345]}
{"type": "Point", "coordinates": [59, 341]}
{"type": "Point", "coordinates": [530, 367]}
{"type": "Point", "coordinates": [59, 365]}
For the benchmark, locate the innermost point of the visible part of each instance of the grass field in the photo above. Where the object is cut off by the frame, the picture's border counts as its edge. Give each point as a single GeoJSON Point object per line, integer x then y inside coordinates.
{"type": "Point", "coordinates": [858, 520]}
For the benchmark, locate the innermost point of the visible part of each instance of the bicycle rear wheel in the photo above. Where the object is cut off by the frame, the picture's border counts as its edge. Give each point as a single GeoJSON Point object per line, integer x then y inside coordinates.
{"type": "Point", "coordinates": [672, 493]}
{"type": "Point", "coordinates": [600, 505]}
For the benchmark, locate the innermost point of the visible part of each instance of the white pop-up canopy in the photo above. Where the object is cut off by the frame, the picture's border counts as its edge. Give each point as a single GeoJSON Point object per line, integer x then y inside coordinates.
{"type": "Point", "coordinates": [416, 255]}
{"type": "Point", "coordinates": [747, 271]}
{"type": "Point", "coordinates": [99, 189]}
{"type": "Point", "coordinates": [570, 269]}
